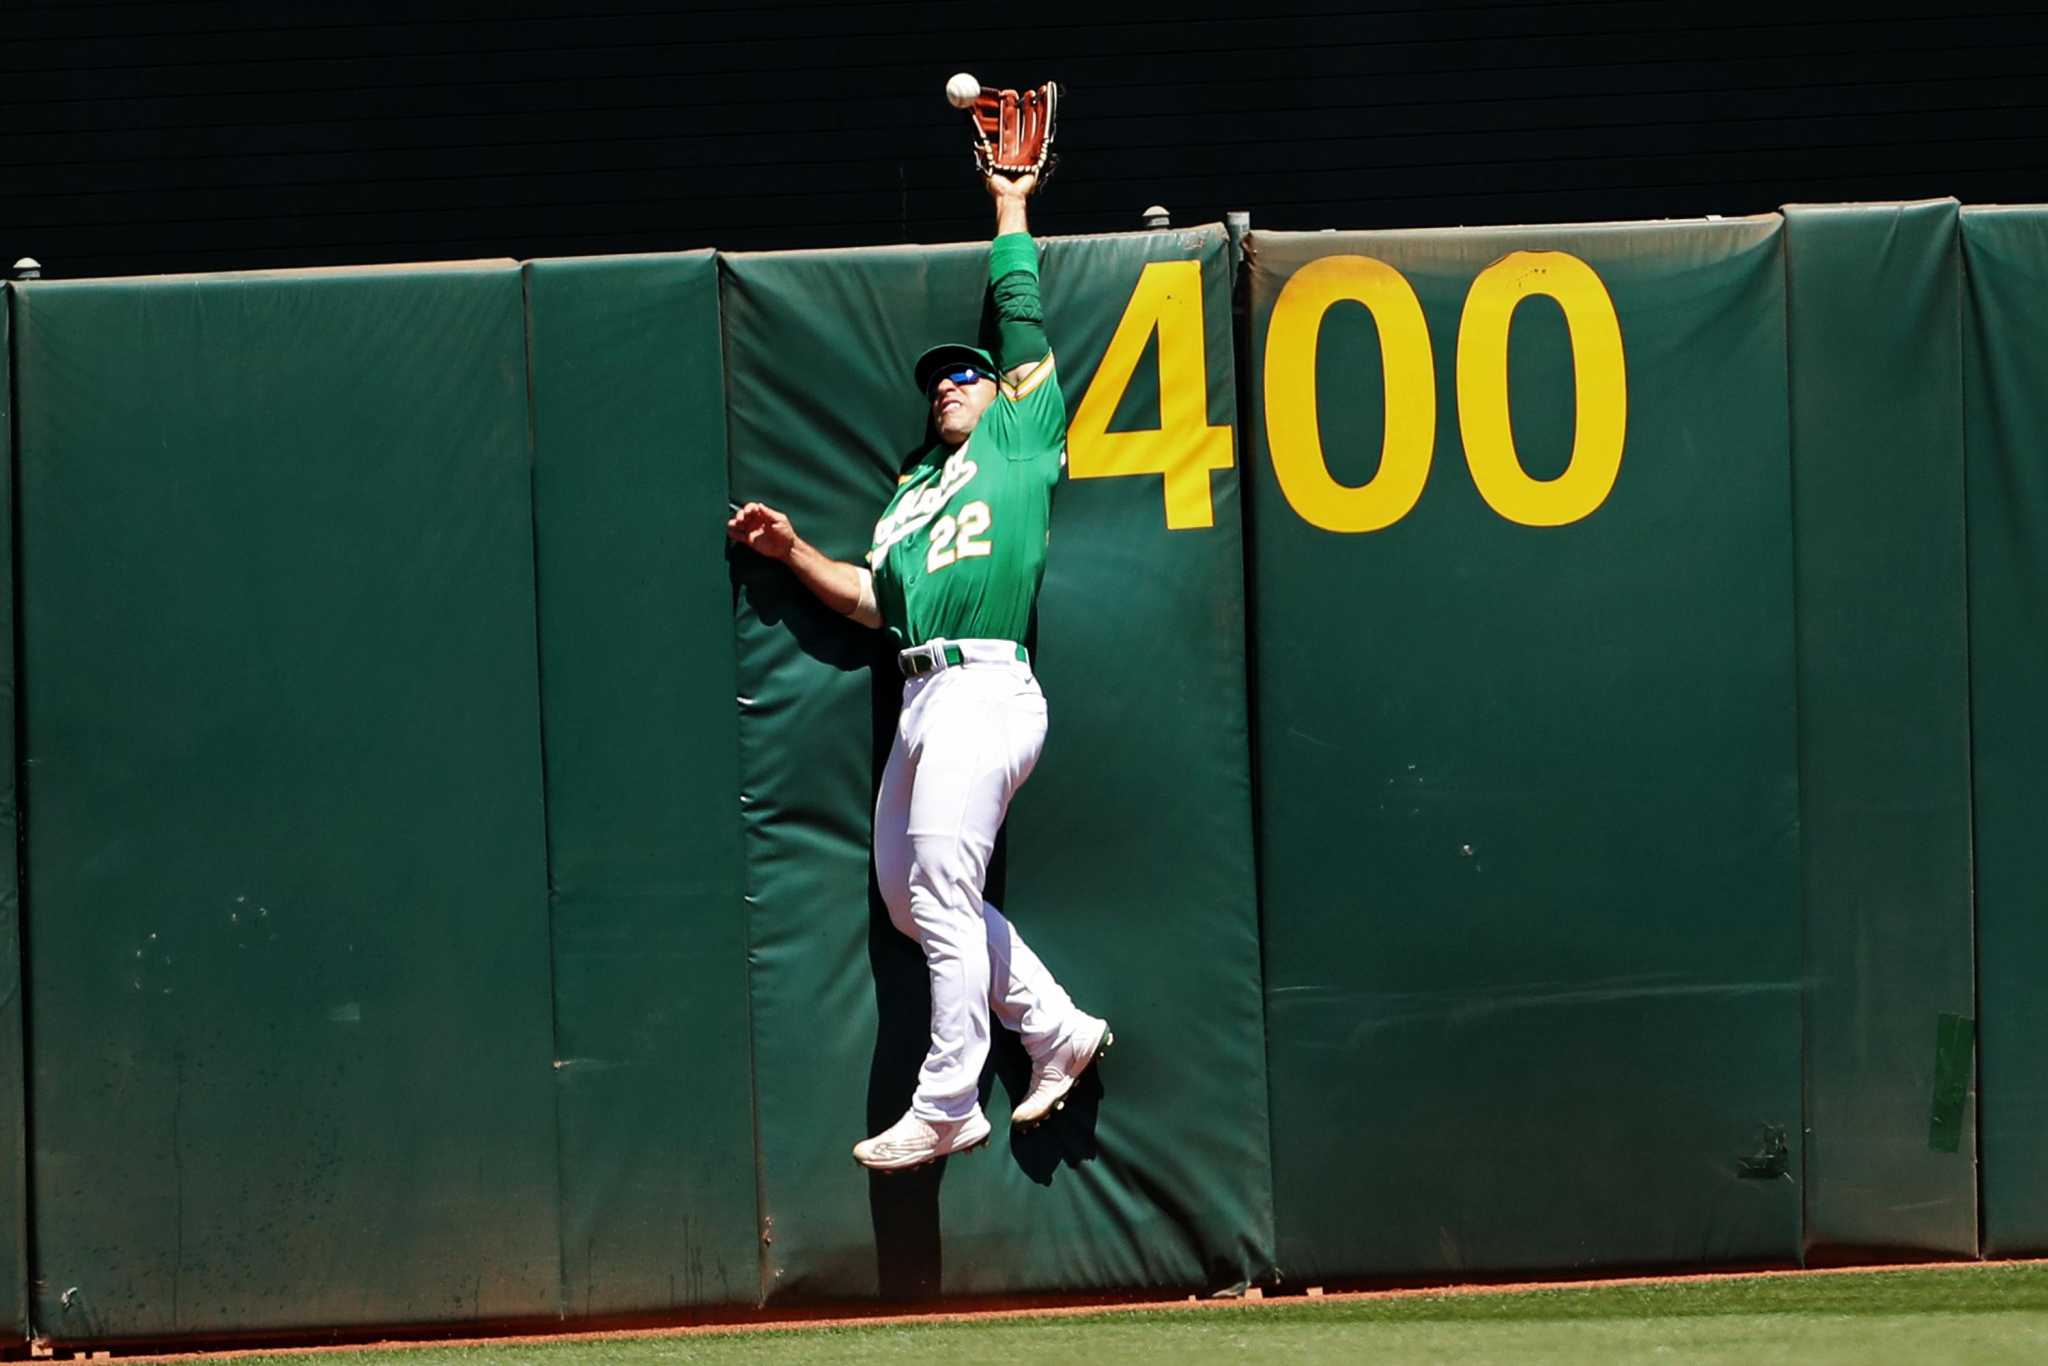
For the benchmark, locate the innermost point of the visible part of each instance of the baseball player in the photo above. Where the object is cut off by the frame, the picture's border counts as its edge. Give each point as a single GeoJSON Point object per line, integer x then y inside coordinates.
{"type": "Point", "coordinates": [953, 573]}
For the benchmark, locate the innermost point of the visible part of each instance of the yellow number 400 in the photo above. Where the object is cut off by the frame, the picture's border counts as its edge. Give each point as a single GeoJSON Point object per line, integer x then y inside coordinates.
{"type": "Point", "coordinates": [1183, 447]}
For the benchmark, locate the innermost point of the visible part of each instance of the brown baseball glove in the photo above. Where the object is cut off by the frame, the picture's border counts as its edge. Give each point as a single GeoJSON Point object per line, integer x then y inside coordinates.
{"type": "Point", "coordinates": [1013, 131]}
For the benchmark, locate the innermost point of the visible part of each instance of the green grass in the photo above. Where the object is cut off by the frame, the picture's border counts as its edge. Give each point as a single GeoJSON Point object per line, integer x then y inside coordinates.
{"type": "Point", "coordinates": [1949, 1315]}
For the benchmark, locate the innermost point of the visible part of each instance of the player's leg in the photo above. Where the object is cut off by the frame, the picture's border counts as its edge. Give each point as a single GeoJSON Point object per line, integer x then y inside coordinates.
{"type": "Point", "coordinates": [971, 749]}
{"type": "Point", "coordinates": [1062, 1039]}
{"type": "Point", "coordinates": [1022, 992]}
{"type": "Point", "coordinates": [926, 1131]}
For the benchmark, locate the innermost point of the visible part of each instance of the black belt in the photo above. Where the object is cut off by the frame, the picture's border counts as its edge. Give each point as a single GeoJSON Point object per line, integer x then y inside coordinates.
{"type": "Point", "coordinates": [917, 661]}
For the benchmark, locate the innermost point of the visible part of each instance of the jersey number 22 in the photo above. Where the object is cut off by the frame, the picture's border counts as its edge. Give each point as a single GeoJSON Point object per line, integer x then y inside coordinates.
{"type": "Point", "coordinates": [954, 539]}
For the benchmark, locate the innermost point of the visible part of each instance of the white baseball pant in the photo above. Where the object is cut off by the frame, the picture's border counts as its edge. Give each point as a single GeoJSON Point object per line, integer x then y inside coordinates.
{"type": "Point", "coordinates": [967, 739]}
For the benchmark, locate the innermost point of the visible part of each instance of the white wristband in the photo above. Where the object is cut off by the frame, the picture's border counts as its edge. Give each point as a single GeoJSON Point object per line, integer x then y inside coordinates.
{"type": "Point", "coordinates": [865, 611]}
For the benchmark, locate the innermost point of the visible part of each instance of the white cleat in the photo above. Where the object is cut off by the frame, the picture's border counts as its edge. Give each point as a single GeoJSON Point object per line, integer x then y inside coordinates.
{"type": "Point", "coordinates": [1056, 1075]}
{"type": "Point", "coordinates": [911, 1142]}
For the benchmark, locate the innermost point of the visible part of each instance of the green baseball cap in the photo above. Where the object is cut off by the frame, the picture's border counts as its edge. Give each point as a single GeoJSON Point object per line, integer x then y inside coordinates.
{"type": "Point", "coordinates": [946, 355]}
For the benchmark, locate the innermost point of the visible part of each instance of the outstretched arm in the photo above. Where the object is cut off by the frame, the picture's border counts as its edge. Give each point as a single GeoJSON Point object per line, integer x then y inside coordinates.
{"type": "Point", "coordinates": [1010, 195]}
{"type": "Point", "coordinates": [1013, 277]}
{"type": "Point", "coordinates": [847, 589]}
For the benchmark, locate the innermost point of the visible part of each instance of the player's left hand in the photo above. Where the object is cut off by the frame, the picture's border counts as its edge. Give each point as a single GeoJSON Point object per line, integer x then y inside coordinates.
{"type": "Point", "coordinates": [1001, 187]}
{"type": "Point", "coordinates": [762, 529]}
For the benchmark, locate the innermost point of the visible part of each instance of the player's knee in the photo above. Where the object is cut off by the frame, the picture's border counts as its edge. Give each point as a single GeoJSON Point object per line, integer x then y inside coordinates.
{"type": "Point", "coordinates": [945, 929]}
{"type": "Point", "coordinates": [947, 868]}
{"type": "Point", "coordinates": [892, 879]}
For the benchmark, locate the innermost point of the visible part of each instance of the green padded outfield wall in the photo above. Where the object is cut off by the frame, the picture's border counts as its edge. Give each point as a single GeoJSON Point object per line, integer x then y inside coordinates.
{"type": "Point", "coordinates": [1884, 748]}
{"type": "Point", "coordinates": [1129, 861]}
{"type": "Point", "coordinates": [643, 810]}
{"type": "Point", "coordinates": [419, 930]}
{"type": "Point", "coordinates": [288, 955]}
{"type": "Point", "coordinates": [14, 1268]}
{"type": "Point", "coordinates": [2005, 368]}
{"type": "Point", "coordinates": [1522, 591]}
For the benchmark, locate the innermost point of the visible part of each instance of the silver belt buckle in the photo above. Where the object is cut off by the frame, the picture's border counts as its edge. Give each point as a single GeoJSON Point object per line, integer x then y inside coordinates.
{"type": "Point", "coordinates": [920, 660]}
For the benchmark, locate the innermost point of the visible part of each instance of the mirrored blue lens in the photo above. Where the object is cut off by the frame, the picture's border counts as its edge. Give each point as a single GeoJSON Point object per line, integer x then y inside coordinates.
{"type": "Point", "coordinates": [961, 375]}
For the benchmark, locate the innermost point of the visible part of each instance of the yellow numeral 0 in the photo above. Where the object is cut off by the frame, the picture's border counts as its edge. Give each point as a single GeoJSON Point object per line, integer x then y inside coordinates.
{"type": "Point", "coordinates": [1292, 429]}
{"type": "Point", "coordinates": [1597, 362]}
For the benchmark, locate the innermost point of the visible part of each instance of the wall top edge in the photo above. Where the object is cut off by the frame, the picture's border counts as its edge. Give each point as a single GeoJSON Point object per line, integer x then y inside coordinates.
{"type": "Point", "coordinates": [1521, 229]}
{"type": "Point", "coordinates": [484, 264]}
{"type": "Point", "coordinates": [622, 257]}
{"type": "Point", "coordinates": [1855, 204]}
{"type": "Point", "coordinates": [1215, 230]}
{"type": "Point", "coordinates": [477, 266]}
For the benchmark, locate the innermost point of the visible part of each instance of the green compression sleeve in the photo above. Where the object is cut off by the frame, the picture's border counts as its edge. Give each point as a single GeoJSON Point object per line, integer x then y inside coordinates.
{"type": "Point", "coordinates": [1012, 251]}
{"type": "Point", "coordinates": [1020, 318]}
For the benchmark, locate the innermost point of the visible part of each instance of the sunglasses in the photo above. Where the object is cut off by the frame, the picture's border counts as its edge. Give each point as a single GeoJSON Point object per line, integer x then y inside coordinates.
{"type": "Point", "coordinates": [962, 375]}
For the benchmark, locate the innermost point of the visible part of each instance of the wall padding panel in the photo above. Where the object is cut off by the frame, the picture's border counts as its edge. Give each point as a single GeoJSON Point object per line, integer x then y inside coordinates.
{"type": "Point", "coordinates": [14, 1267]}
{"type": "Point", "coordinates": [1528, 798]}
{"type": "Point", "coordinates": [643, 805]}
{"type": "Point", "coordinates": [1129, 852]}
{"type": "Point", "coordinates": [289, 962]}
{"type": "Point", "coordinates": [1884, 748]}
{"type": "Point", "coordinates": [2005, 369]}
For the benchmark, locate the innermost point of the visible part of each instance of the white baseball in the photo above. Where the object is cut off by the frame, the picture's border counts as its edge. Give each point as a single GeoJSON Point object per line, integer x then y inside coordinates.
{"type": "Point", "coordinates": [962, 90]}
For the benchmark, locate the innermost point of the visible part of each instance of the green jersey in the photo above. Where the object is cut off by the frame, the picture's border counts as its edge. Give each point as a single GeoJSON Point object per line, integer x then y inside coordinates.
{"type": "Point", "coordinates": [960, 550]}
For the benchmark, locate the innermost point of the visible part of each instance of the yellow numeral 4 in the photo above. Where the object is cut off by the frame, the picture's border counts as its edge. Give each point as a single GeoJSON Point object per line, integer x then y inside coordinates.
{"type": "Point", "coordinates": [1184, 447]}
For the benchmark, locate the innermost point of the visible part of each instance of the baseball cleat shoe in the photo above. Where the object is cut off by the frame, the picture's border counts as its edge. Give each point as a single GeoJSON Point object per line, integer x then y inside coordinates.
{"type": "Point", "coordinates": [911, 1142]}
{"type": "Point", "coordinates": [1056, 1075]}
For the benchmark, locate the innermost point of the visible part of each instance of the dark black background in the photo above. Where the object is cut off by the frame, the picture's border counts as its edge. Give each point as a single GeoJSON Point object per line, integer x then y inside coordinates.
{"type": "Point", "coordinates": [141, 137]}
